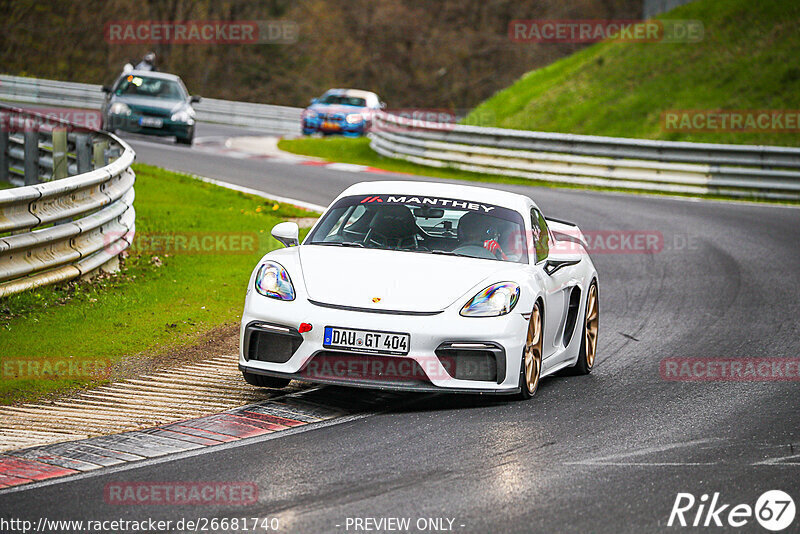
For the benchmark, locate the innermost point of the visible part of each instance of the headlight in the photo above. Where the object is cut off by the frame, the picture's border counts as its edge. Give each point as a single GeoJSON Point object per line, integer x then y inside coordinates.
{"type": "Point", "coordinates": [120, 108]}
{"type": "Point", "coordinates": [273, 281]}
{"type": "Point", "coordinates": [309, 114]}
{"type": "Point", "coordinates": [182, 116]}
{"type": "Point", "coordinates": [354, 118]}
{"type": "Point", "coordinates": [495, 300]}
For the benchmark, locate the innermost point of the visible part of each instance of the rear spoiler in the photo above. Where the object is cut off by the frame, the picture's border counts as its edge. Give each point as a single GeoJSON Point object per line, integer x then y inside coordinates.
{"type": "Point", "coordinates": [567, 231]}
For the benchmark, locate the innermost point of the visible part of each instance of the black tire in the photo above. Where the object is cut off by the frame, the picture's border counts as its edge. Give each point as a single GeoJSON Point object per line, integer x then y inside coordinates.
{"type": "Point", "coordinates": [586, 359]}
{"type": "Point", "coordinates": [262, 381]}
{"type": "Point", "coordinates": [532, 354]}
{"type": "Point", "coordinates": [184, 140]}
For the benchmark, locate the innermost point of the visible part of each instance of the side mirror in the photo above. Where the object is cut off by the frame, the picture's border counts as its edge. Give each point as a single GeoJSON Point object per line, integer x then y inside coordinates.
{"type": "Point", "coordinates": [194, 99]}
{"type": "Point", "coordinates": [314, 100]}
{"type": "Point", "coordinates": [105, 89]}
{"type": "Point", "coordinates": [287, 233]}
{"type": "Point", "coordinates": [383, 106]}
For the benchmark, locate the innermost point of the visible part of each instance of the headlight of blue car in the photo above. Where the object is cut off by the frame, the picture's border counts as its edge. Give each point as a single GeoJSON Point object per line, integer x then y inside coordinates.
{"type": "Point", "coordinates": [495, 300]}
{"type": "Point", "coordinates": [273, 281]}
{"type": "Point", "coordinates": [354, 118]}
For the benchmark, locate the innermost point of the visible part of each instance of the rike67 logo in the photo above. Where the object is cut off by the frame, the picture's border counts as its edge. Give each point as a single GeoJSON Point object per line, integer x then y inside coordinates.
{"type": "Point", "coordinates": [774, 510]}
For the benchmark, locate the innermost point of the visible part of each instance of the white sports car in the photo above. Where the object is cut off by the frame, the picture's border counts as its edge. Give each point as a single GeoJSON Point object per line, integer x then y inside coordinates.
{"type": "Point", "coordinates": [423, 287]}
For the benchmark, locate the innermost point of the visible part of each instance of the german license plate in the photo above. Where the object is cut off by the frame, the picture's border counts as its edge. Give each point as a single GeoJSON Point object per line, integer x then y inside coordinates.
{"type": "Point", "coordinates": [151, 122]}
{"type": "Point", "coordinates": [327, 125]}
{"type": "Point", "coordinates": [366, 340]}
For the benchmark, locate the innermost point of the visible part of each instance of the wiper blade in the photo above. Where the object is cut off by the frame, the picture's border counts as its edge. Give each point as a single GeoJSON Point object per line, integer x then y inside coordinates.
{"type": "Point", "coordinates": [347, 244]}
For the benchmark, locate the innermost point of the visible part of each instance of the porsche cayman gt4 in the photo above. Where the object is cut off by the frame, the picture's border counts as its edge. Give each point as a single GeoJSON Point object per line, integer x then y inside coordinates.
{"type": "Point", "coordinates": [423, 287]}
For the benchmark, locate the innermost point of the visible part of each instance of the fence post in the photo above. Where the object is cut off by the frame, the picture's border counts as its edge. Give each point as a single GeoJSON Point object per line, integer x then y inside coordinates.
{"type": "Point", "coordinates": [83, 152]}
{"type": "Point", "coordinates": [100, 154]}
{"type": "Point", "coordinates": [31, 166]}
{"type": "Point", "coordinates": [4, 127]}
{"type": "Point", "coordinates": [60, 162]}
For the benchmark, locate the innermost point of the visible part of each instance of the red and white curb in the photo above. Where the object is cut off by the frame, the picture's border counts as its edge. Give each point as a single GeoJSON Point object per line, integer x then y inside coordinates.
{"type": "Point", "coordinates": [312, 408]}
{"type": "Point", "coordinates": [266, 148]}
{"type": "Point", "coordinates": [190, 390]}
{"type": "Point", "coordinates": [345, 167]}
{"type": "Point", "coordinates": [62, 459]}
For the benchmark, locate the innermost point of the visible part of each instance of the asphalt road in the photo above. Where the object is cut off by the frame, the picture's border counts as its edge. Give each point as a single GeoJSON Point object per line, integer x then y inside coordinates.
{"type": "Point", "coordinates": [608, 452]}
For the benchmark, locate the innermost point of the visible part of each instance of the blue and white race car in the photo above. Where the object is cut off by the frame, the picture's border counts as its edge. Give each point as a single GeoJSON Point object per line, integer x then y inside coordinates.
{"type": "Point", "coordinates": [347, 112]}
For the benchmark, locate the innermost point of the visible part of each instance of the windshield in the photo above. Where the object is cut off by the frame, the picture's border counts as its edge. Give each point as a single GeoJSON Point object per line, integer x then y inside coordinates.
{"type": "Point", "coordinates": [424, 224]}
{"type": "Point", "coordinates": [152, 87]}
{"type": "Point", "coordinates": [343, 100]}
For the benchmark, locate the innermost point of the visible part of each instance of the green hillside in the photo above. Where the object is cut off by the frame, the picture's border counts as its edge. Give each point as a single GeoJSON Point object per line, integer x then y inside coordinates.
{"type": "Point", "coordinates": [749, 59]}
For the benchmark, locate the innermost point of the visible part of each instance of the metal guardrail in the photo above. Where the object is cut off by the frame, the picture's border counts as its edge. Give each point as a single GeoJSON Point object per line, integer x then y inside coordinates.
{"type": "Point", "coordinates": [276, 119]}
{"type": "Point", "coordinates": [742, 171]}
{"type": "Point", "coordinates": [281, 120]}
{"type": "Point", "coordinates": [79, 218]}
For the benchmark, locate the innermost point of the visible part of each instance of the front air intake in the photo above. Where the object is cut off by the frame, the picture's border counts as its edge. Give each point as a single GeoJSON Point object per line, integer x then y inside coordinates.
{"type": "Point", "coordinates": [270, 343]}
{"type": "Point", "coordinates": [481, 361]}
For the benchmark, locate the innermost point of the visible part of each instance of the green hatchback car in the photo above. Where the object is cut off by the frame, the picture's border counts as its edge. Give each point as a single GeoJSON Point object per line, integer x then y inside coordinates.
{"type": "Point", "coordinates": [151, 103]}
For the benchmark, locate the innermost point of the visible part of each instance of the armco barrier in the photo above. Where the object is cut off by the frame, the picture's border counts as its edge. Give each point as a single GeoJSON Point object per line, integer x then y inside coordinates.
{"type": "Point", "coordinates": [273, 119]}
{"type": "Point", "coordinates": [737, 171]}
{"type": "Point", "coordinates": [66, 227]}
{"type": "Point", "coordinates": [767, 172]}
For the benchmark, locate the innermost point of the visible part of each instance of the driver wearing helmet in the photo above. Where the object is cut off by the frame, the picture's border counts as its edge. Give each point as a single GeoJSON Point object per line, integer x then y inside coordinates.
{"type": "Point", "coordinates": [148, 62]}
{"type": "Point", "coordinates": [474, 228]}
{"type": "Point", "coordinates": [492, 242]}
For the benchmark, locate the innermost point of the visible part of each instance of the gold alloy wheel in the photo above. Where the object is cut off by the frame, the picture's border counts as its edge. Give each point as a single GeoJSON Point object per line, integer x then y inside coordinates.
{"type": "Point", "coordinates": [533, 351]}
{"type": "Point", "coordinates": [592, 321]}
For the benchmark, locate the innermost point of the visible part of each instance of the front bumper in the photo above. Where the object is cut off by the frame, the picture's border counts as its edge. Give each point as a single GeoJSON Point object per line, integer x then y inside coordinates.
{"type": "Point", "coordinates": [328, 126]}
{"type": "Point", "coordinates": [130, 123]}
{"type": "Point", "coordinates": [447, 352]}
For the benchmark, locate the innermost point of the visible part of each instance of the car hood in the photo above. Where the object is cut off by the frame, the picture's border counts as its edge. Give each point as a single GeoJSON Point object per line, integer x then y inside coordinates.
{"type": "Point", "coordinates": [403, 281]}
{"type": "Point", "coordinates": [149, 104]}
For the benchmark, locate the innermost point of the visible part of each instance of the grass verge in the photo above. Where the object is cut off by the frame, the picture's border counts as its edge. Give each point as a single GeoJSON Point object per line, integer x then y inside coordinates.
{"type": "Point", "coordinates": [60, 338]}
{"type": "Point", "coordinates": [747, 60]}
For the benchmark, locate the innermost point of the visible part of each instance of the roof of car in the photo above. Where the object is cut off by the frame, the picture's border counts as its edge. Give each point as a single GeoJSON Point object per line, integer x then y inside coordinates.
{"type": "Point", "coordinates": [152, 74]}
{"type": "Point", "coordinates": [353, 92]}
{"type": "Point", "coordinates": [485, 195]}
